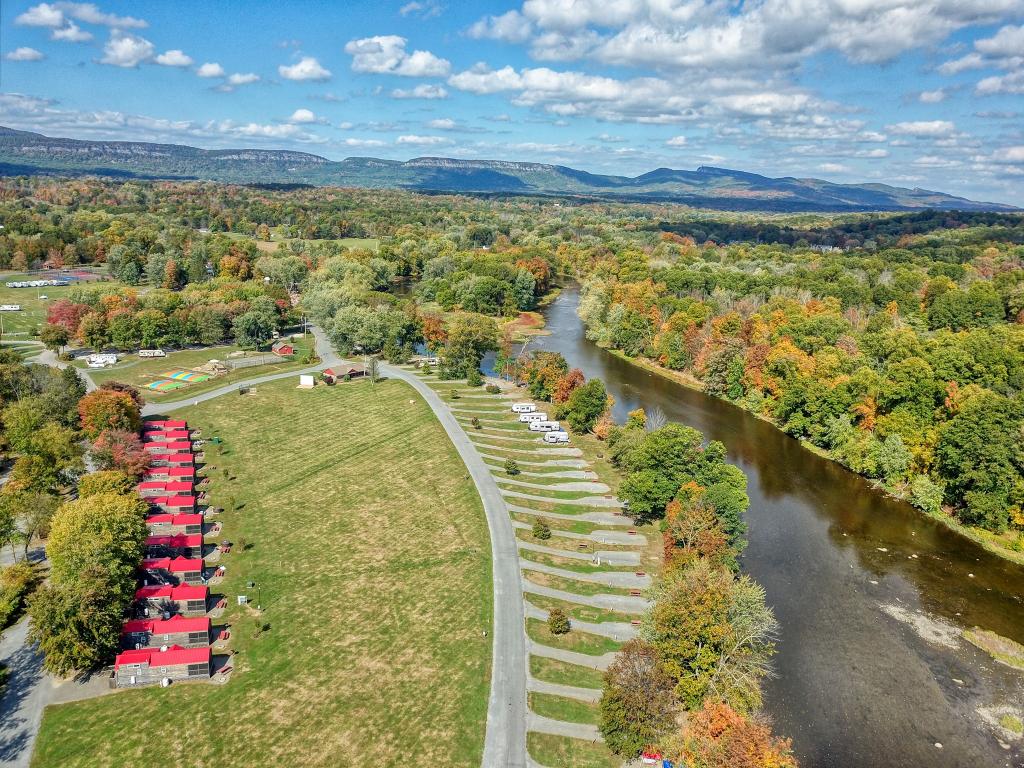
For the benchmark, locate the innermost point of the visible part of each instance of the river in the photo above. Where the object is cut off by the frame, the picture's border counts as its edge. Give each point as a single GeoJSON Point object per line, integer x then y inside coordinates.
{"type": "Point", "coordinates": [870, 670]}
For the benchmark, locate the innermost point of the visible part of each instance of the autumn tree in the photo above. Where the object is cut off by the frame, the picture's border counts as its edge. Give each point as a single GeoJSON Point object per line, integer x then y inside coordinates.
{"type": "Point", "coordinates": [637, 706]}
{"type": "Point", "coordinates": [121, 450]}
{"type": "Point", "coordinates": [716, 736]}
{"type": "Point", "coordinates": [105, 481]}
{"type": "Point", "coordinates": [566, 385]}
{"type": "Point", "coordinates": [105, 409]}
{"type": "Point", "coordinates": [54, 337]}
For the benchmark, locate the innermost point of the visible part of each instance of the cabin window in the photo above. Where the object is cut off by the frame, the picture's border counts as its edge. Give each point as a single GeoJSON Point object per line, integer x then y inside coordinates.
{"type": "Point", "coordinates": [197, 670]}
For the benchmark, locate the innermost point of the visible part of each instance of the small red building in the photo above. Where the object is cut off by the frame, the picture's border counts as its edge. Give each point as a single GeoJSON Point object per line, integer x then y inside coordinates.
{"type": "Point", "coordinates": [186, 545]}
{"type": "Point", "coordinates": [177, 630]}
{"type": "Point", "coordinates": [283, 349]}
{"type": "Point", "coordinates": [186, 599]}
{"type": "Point", "coordinates": [170, 473]}
{"type": "Point", "coordinates": [186, 570]}
{"type": "Point", "coordinates": [171, 459]}
{"type": "Point", "coordinates": [169, 446]}
{"type": "Point", "coordinates": [157, 425]}
{"type": "Point", "coordinates": [168, 524]}
{"type": "Point", "coordinates": [174, 504]}
{"type": "Point", "coordinates": [148, 666]}
{"type": "Point", "coordinates": [173, 434]}
{"type": "Point", "coordinates": [153, 488]}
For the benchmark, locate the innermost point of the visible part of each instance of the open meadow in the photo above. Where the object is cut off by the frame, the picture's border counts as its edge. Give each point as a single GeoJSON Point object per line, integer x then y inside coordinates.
{"type": "Point", "coordinates": [352, 513]}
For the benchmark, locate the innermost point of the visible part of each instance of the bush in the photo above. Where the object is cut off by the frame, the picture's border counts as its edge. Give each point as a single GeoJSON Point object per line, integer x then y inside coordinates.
{"type": "Point", "coordinates": [16, 582]}
{"type": "Point", "coordinates": [474, 379]}
{"type": "Point", "coordinates": [427, 369]}
{"type": "Point", "coordinates": [541, 530]}
{"type": "Point", "coordinates": [511, 467]}
{"type": "Point", "coordinates": [558, 622]}
{"type": "Point", "coordinates": [455, 394]}
{"type": "Point", "coordinates": [476, 423]}
{"type": "Point", "coordinates": [492, 389]}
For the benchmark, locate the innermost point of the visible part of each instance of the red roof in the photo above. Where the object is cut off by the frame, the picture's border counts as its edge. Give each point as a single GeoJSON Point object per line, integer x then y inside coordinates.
{"type": "Point", "coordinates": [174, 565]}
{"type": "Point", "coordinates": [173, 656]}
{"type": "Point", "coordinates": [165, 424]}
{"type": "Point", "coordinates": [171, 434]}
{"type": "Point", "coordinates": [152, 485]}
{"type": "Point", "coordinates": [170, 446]}
{"type": "Point", "coordinates": [188, 518]}
{"type": "Point", "coordinates": [179, 458]}
{"type": "Point", "coordinates": [180, 592]}
{"type": "Point", "coordinates": [168, 627]}
{"type": "Point", "coordinates": [155, 472]}
{"type": "Point", "coordinates": [174, 501]}
{"type": "Point", "coordinates": [176, 540]}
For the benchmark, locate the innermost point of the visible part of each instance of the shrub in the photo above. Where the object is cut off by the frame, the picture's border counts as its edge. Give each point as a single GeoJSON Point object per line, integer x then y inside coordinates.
{"type": "Point", "coordinates": [1012, 723]}
{"type": "Point", "coordinates": [474, 379]}
{"type": "Point", "coordinates": [427, 369]}
{"type": "Point", "coordinates": [492, 389]}
{"type": "Point", "coordinates": [511, 467]}
{"type": "Point", "coordinates": [455, 394]}
{"type": "Point", "coordinates": [16, 582]}
{"type": "Point", "coordinates": [541, 530]}
{"type": "Point", "coordinates": [476, 423]}
{"type": "Point", "coordinates": [558, 622]}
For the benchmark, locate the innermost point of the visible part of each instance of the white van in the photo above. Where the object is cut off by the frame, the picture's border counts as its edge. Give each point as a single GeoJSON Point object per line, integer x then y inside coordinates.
{"type": "Point", "coordinates": [523, 407]}
{"type": "Point", "coordinates": [544, 426]}
{"type": "Point", "coordinates": [526, 418]}
{"type": "Point", "coordinates": [557, 436]}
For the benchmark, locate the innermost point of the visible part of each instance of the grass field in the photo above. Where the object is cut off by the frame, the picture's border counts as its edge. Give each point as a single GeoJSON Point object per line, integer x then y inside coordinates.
{"type": "Point", "coordinates": [139, 371]}
{"type": "Point", "coordinates": [369, 243]}
{"type": "Point", "coordinates": [555, 671]}
{"type": "Point", "coordinates": [33, 308]}
{"type": "Point", "coordinates": [561, 708]}
{"type": "Point", "coordinates": [375, 583]}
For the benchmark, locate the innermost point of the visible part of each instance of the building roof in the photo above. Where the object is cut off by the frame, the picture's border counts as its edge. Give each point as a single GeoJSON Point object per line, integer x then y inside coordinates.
{"type": "Point", "coordinates": [170, 446]}
{"type": "Point", "coordinates": [157, 472]}
{"type": "Point", "coordinates": [173, 656]}
{"type": "Point", "coordinates": [168, 626]}
{"type": "Point", "coordinates": [180, 592]}
{"type": "Point", "coordinates": [173, 564]}
{"type": "Point", "coordinates": [174, 501]}
{"type": "Point", "coordinates": [184, 518]}
{"type": "Point", "coordinates": [170, 434]}
{"type": "Point", "coordinates": [164, 424]}
{"type": "Point", "coordinates": [176, 540]}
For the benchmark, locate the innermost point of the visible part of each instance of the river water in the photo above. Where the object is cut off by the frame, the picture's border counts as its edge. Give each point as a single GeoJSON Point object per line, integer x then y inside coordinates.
{"type": "Point", "coordinates": [869, 593]}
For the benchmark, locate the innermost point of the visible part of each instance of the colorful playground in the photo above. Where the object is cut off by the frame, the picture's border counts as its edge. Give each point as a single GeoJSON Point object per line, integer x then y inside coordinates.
{"type": "Point", "coordinates": [177, 379]}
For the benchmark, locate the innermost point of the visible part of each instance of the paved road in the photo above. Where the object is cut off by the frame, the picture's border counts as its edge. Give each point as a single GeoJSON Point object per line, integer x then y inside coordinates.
{"type": "Point", "coordinates": [48, 357]}
{"type": "Point", "coordinates": [27, 691]}
{"type": "Point", "coordinates": [324, 351]}
{"type": "Point", "coordinates": [505, 741]}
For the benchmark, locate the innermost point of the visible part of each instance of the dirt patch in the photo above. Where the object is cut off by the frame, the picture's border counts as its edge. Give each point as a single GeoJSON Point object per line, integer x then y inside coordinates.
{"type": "Point", "coordinates": [928, 628]}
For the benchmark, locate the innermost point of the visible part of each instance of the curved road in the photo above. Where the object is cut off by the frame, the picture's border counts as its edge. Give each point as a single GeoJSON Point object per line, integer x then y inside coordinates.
{"type": "Point", "coordinates": [505, 740]}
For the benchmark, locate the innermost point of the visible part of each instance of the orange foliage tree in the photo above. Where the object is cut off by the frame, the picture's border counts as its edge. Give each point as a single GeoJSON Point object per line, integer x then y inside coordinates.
{"type": "Point", "coordinates": [718, 736]}
{"type": "Point", "coordinates": [104, 409]}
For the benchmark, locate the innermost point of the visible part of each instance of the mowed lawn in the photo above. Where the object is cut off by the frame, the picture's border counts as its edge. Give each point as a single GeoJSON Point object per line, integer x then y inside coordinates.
{"type": "Point", "coordinates": [371, 547]}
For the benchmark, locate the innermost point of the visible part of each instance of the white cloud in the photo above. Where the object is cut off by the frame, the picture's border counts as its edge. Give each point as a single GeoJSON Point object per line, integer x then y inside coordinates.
{"type": "Point", "coordinates": [126, 50]}
{"type": "Point", "coordinates": [676, 141]}
{"type": "Point", "coordinates": [1008, 41]}
{"type": "Point", "coordinates": [443, 124]}
{"type": "Point", "coordinates": [512, 27]}
{"type": "Point", "coordinates": [25, 54]}
{"type": "Point", "coordinates": [421, 91]}
{"type": "Point", "coordinates": [425, 10]}
{"type": "Point", "coordinates": [307, 68]}
{"type": "Point", "coordinates": [1012, 83]}
{"type": "Point", "coordinates": [210, 69]}
{"type": "Point", "coordinates": [174, 58]}
{"type": "Point", "coordinates": [363, 143]}
{"type": "Point", "coordinates": [386, 55]}
{"type": "Point", "coordinates": [302, 116]}
{"type": "Point", "coordinates": [924, 128]}
{"type": "Point", "coordinates": [964, 63]}
{"type": "Point", "coordinates": [833, 168]}
{"type": "Point", "coordinates": [71, 33]}
{"type": "Point", "coordinates": [423, 141]}
{"type": "Point", "coordinates": [58, 15]}
{"type": "Point", "coordinates": [246, 78]}
{"type": "Point", "coordinates": [932, 97]}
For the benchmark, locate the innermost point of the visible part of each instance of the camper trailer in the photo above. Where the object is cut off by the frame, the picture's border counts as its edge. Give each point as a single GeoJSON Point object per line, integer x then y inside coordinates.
{"type": "Point", "coordinates": [544, 426]}
{"type": "Point", "coordinates": [152, 353]}
{"type": "Point", "coordinates": [523, 407]}
{"type": "Point", "coordinates": [558, 436]}
{"type": "Point", "coordinates": [526, 418]}
{"type": "Point", "coordinates": [101, 360]}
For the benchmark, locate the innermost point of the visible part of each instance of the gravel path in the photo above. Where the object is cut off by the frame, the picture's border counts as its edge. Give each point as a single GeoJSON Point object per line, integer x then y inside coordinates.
{"type": "Point", "coordinates": [608, 557]}
{"type": "Point", "coordinates": [592, 695]}
{"type": "Point", "coordinates": [599, 518]}
{"type": "Point", "coordinates": [583, 486]}
{"type": "Point", "coordinates": [616, 630]}
{"type": "Point", "coordinates": [622, 603]}
{"type": "Point", "coordinates": [577, 463]}
{"type": "Point", "coordinates": [540, 724]}
{"type": "Point", "coordinates": [571, 657]}
{"type": "Point", "coordinates": [607, 578]}
{"type": "Point", "coordinates": [586, 501]}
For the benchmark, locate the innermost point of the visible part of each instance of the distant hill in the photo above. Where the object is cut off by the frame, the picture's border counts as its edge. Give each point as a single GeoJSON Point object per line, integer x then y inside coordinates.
{"type": "Point", "coordinates": [23, 152]}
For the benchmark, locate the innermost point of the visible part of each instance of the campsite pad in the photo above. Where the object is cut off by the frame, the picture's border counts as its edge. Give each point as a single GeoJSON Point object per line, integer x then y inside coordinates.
{"type": "Point", "coordinates": [165, 385]}
{"type": "Point", "coordinates": [189, 377]}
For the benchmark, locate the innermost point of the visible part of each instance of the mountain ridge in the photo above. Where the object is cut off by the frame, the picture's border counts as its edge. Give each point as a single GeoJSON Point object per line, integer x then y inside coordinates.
{"type": "Point", "coordinates": [23, 152]}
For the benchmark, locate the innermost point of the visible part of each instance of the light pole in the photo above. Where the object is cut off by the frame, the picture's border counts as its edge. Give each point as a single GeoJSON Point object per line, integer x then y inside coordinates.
{"type": "Point", "coordinates": [259, 594]}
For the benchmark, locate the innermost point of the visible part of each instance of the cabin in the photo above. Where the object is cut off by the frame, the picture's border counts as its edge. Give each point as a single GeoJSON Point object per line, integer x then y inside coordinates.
{"type": "Point", "coordinates": [149, 666]}
{"type": "Point", "coordinates": [339, 372]}
{"type": "Point", "coordinates": [186, 570]}
{"type": "Point", "coordinates": [151, 488]}
{"type": "Point", "coordinates": [169, 524]}
{"type": "Point", "coordinates": [164, 424]}
{"type": "Point", "coordinates": [283, 349]}
{"type": "Point", "coordinates": [168, 446]}
{"type": "Point", "coordinates": [176, 543]}
{"type": "Point", "coordinates": [170, 473]}
{"type": "Point", "coordinates": [177, 630]}
{"type": "Point", "coordinates": [171, 459]}
{"type": "Point", "coordinates": [186, 599]}
{"type": "Point", "coordinates": [177, 435]}
{"type": "Point", "coordinates": [174, 504]}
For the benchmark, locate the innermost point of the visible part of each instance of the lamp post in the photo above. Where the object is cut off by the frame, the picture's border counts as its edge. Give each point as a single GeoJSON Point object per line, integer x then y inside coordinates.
{"type": "Point", "coordinates": [259, 594]}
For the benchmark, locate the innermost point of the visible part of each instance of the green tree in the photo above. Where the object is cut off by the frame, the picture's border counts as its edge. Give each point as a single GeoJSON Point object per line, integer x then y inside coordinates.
{"type": "Point", "coordinates": [54, 337]}
{"type": "Point", "coordinates": [637, 706]}
{"type": "Point", "coordinates": [252, 330]}
{"type": "Point", "coordinates": [558, 621]}
{"type": "Point", "coordinates": [105, 481]}
{"type": "Point", "coordinates": [470, 336]}
{"type": "Point", "coordinates": [585, 406]}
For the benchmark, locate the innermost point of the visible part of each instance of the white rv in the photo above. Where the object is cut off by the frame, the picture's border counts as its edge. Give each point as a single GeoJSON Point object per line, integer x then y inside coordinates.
{"type": "Point", "coordinates": [10, 307]}
{"type": "Point", "coordinates": [523, 407]}
{"type": "Point", "coordinates": [100, 361]}
{"type": "Point", "coordinates": [544, 426]}
{"type": "Point", "coordinates": [152, 353]}
{"type": "Point", "coordinates": [558, 436]}
{"type": "Point", "coordinates": [526, 418]}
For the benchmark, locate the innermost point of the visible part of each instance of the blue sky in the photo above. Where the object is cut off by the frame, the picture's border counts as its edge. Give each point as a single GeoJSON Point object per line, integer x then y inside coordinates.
{"type": "Point", "coordinates": [925, 93]}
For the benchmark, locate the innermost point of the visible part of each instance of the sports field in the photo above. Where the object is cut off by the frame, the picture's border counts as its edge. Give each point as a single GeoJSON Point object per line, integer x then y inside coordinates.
{"type": "Point", "coordinates": [357, 520]}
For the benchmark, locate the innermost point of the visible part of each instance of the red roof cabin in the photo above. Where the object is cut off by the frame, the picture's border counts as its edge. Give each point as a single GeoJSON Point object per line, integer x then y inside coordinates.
{"type": "Point", "coordinates": [172, 434]}
{"type": "Point", "coordinates": [151, 488]}
{"type": "Point", "coordinates": [157, 425]}
{"type": "Point", "coordinates": [283, 349]}
{"type": "Point", "coordinates": [186, 570]}
{"type": "Point", "coordinates": [178, 544]}
{"type": "Point", "coordinates": [168, 524]}
{"type": "Point", "coordinates": [170, 473]}
{"type": "Point", "coordinates": [185, 599]}
{"type": "Point", "coordinates": [177, 630]}
{"type": "Point", "coordinates": [171, 459]}
{"type": "Point", "coordinates": [174, 504]}
{"type": "Point", "coordinates": [149, 666]}
{"type": "Point", "coordinates": [338, 373]}
{"type": "Point", "coordinates": [169, 446]}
